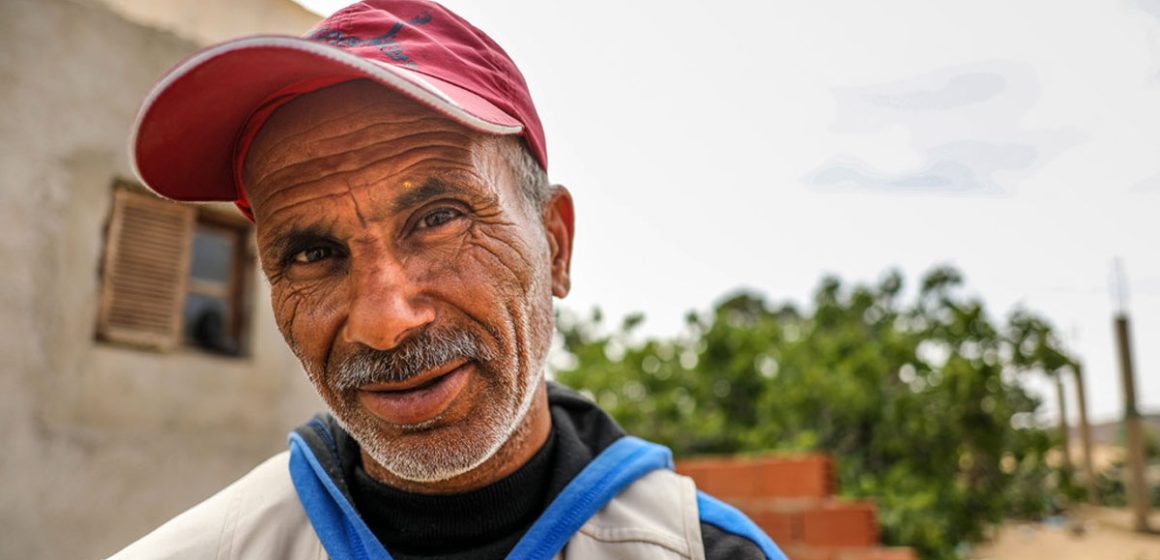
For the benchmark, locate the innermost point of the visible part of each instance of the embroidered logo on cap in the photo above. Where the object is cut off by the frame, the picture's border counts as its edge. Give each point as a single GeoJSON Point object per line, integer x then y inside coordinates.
{"type": "Point", "coordinates": [387, 42]}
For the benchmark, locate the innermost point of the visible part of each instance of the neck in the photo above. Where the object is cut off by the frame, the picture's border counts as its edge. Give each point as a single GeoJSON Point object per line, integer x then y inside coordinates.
{"type": "Point", "coordinates": [528, 437]}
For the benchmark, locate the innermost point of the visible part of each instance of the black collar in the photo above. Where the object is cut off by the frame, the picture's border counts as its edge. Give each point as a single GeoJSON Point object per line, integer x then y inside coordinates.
{"type": "Point", "coordinates": [484, 523]}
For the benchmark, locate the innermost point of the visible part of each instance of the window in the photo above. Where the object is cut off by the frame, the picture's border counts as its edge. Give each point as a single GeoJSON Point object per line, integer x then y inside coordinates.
{"type": "Point", "coordinates": [174, 274]}
{"type": "Point", "coordinates": [214, 301]}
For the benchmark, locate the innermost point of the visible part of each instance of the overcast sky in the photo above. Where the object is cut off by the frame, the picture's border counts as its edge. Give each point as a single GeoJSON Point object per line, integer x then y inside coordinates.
{"type": "Point", "coordinates": [762, 145]}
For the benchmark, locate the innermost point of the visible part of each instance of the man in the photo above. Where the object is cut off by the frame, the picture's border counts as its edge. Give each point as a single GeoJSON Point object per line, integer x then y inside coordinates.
{"type": "Point", "coordinates": [394, 167]}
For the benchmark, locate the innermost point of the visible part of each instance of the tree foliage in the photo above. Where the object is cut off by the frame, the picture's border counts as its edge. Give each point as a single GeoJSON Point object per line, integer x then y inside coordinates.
{"type": "Point", "coordinates": [916, 397]}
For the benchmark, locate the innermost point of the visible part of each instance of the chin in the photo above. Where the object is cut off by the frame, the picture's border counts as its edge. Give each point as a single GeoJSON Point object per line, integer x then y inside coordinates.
{"type": "Point", "coordinates": [443, 448]}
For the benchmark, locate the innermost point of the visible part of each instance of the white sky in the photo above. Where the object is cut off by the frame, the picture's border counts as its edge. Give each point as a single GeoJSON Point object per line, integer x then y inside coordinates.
{"type": "Point", "coordinates": [762, 145]}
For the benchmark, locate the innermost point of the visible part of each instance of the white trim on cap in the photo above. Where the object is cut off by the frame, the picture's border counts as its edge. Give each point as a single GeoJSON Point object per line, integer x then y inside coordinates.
{"type": "Point", "coordinates": [413, 85]}
{"type": "Point", "coordinates": [416, 77]}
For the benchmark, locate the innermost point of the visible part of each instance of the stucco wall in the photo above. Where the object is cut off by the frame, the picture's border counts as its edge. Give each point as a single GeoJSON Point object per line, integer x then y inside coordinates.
{"type": "Point", "coordinates": [211, 21]}
{"type": "Point", "coordinates": [101, 443]}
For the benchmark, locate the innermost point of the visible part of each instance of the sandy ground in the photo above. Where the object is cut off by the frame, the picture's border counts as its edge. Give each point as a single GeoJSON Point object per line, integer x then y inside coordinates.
{"type": "Point", "coordinates": [1105, 535]}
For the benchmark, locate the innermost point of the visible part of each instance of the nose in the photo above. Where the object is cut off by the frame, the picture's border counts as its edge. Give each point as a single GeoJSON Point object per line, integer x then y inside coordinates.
{"type": "Point", "coordinates": [385, 306]}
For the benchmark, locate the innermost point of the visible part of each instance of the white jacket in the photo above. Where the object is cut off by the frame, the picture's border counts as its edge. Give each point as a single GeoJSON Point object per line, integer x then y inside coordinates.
{"type": "Point", "coordinates": [652, 513]}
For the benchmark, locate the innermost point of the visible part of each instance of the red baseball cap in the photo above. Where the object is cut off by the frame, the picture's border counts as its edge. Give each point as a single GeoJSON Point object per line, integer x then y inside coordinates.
{"type": "Point", "coordinates": [194, 127]}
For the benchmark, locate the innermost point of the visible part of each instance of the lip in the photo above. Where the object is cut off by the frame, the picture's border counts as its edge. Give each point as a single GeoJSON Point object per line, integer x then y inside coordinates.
{"type": "Point", "coordinates": [417, 400]}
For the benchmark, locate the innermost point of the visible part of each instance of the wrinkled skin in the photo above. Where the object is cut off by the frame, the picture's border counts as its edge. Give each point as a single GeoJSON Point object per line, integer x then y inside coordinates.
{"type": "Point", "coordinates": [377, 220]}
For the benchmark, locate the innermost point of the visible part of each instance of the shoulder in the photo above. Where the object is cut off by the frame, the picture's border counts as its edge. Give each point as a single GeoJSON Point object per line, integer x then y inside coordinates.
{"type": "Point", "coordinates": [728, 533]}
{"type": "Point", "coordinates": [664, 512]}
{"type": "Point", "coordinates": [258, 516]}
{"type": "Point", "coordinates": [658, 512]}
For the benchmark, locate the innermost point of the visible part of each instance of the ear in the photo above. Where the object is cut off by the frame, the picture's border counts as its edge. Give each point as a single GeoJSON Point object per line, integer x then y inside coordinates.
{"type": "Point", "coordinates": [559, 224]}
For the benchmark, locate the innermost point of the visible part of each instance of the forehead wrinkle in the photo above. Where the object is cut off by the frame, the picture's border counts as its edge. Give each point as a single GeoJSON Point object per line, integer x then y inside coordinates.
{"type": "Point", "coordinates": [307, 114]}
{"type": "Point", "coordinates": [281, 209]}
{"type": "Point", "coordinates": [333, 114]}
{"type": "Point", "coordinates": [317, 139]}
{"type": "Point", "coordinates": [392, 107]}
{"type": "Point", "coordinates": [340, 182]}
{"type": "Point", "coordinates": [388, 132]}
{"type": "Point", "coordinates": [363, 158]}
{"type": "Point", "coordinates": [499, 173]}
{"type": "Point", "coordinates": [341, 186]}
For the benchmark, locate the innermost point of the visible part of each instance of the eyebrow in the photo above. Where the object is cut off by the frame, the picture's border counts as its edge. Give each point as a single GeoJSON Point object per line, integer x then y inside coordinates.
{"type": "Point", "coordinates": [292, 238]}
{"type": "Point", "coordinates": [288, 237]}
{"type": "Point", "coordinates": [433, 187]}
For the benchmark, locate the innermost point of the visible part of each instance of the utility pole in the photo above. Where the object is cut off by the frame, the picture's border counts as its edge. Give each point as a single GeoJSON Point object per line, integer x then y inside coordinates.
{"type": "Point", "coordinates": [1137, 487]}
{"type": "Point", "coordinates": [1085, 436]}
{"type": "Point", "coordinates": [1064, 437]}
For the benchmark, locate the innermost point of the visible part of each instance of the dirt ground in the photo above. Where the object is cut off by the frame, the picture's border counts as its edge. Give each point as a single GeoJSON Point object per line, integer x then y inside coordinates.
{"type": "Point", "coordinates": [1088, 534]}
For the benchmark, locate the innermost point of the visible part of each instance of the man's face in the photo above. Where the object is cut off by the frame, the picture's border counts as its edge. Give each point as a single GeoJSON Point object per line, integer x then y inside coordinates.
{"type": "Point", "coordinates": [409, 275]}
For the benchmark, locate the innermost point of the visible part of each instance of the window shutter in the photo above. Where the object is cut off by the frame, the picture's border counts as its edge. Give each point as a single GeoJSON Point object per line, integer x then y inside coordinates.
{"type": "Point", "coordinates": [145, 269]}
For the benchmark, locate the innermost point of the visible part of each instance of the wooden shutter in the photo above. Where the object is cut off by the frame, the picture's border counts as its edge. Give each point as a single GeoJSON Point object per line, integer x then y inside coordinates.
{"type": "Point", "coordinates": [145, 269]}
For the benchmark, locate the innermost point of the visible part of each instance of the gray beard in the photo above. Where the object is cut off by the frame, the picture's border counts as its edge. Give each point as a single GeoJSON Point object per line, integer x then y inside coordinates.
{"type": "Point", "coordinates": [423, 352]}
{"type": "Point", "coordinates": [431, 460]}
{"type": "Point", "coordinates": [435, 461]}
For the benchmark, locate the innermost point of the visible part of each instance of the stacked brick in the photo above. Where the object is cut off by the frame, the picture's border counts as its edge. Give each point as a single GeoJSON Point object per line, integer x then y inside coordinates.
{"type": "Point", "coordinates": [792, 499]}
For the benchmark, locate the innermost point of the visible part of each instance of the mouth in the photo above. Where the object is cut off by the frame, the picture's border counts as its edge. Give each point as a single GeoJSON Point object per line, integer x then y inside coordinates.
{"type": "Point", "coordinates": [419, 399]}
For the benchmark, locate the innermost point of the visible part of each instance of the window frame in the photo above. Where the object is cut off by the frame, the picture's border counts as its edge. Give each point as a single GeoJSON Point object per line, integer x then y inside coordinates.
{"type": "Point", "coordinates": [237, 290]}
{"type": "Point", "coordinates": [168, 283]}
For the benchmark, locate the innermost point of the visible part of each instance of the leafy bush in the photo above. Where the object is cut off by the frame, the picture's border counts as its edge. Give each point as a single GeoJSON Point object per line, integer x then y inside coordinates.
{"type": "Point", "coordinates": [918, 401]}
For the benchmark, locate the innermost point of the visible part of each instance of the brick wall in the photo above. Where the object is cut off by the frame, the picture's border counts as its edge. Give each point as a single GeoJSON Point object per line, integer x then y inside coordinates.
{"type": "Point", "coordinates": [792, 499]}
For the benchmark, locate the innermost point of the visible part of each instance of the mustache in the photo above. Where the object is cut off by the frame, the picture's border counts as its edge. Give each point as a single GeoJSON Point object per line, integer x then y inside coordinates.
{"type": "Point", "coordinates": [419, 353]}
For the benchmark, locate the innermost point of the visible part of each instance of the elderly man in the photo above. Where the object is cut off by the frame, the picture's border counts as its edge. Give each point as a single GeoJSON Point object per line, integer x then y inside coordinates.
{"type": "Point", "coordinates": [394, 167]}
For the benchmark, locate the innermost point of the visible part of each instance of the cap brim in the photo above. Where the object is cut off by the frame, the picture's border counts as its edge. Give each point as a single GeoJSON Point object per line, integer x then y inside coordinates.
{"type": "Point", "coordinates": [183, 142]}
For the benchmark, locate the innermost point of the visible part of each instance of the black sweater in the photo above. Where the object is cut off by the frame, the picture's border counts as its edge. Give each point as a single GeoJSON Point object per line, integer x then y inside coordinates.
{"type": "Point", "coordinates": [488, 522]}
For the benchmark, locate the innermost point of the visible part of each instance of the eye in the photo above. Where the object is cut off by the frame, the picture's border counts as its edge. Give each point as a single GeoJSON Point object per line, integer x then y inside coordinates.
{"type": "Point", "coordinates": [439, 217]}
{"type": "Point", "coordinates": [312, 255]}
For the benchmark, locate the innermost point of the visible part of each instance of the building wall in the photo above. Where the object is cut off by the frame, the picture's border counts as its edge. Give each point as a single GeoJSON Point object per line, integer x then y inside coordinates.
{"type": "Point", "coordinates": [101, 443]}
{"type": "Point", "coordinates": [211, 21]}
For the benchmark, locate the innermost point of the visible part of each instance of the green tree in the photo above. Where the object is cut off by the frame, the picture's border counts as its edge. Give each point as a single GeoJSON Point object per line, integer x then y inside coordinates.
{"type": "Point", "coordinates": [917, 398]}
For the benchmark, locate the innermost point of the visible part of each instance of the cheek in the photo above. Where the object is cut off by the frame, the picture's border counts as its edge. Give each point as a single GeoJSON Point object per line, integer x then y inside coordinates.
{"type": "Point", "coordinates": [507, 278]}
{"type": "Point", "coordinates": [308, 317]}
{"type": "Point", "coordinates": [500, 257]}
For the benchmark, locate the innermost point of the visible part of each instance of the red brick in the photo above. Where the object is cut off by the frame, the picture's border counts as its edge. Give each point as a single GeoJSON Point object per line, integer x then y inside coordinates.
{"type": "Point", "coordinates": [783, 528]}
{"type": "Point", "coordinates": [804, 476]}
{"type": "Point", "coordinates": [842, 524]}
{"type": "Point", "coordinates": [807, 476]}
{"type": "Point", "coordinates": [878, 553]}
{"type": "Point", "coordinates": [807, 553]}
{"type": "Point", "coordinates": [723, 478]}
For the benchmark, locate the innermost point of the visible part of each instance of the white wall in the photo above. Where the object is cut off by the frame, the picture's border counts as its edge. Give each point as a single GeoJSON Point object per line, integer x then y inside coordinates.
{"type": "Point", "coordinates": [211, 21]}
{"type": "Point", "coordinates": [101, 443]}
